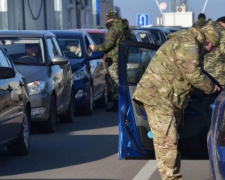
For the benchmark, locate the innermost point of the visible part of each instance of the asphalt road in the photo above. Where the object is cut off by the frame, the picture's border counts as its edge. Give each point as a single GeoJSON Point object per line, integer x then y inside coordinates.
{"type": "Point", "coordinates": [86, 149]}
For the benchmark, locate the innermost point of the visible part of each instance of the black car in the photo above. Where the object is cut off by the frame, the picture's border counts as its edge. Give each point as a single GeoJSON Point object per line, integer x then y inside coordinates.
{"type": "Point", "coordinates": [89, 70]}
{"type": "Point", "coordinates": [15, 108]}
{"type": "Point", "coordinates": [37, 55]}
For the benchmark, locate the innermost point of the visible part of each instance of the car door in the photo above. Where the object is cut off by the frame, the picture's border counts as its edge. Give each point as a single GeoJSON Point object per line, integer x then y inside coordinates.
{"type": "Point", "coordinates": [11, 97]}
{"type": "Point", "coordinates": [61, 75]}
{"type": "Point", "coordinates": [133, 125]}
{"type": "Point", "coordinates": [97, 70]}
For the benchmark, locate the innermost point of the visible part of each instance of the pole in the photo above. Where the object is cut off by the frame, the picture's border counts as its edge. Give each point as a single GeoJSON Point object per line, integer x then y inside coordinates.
{"type": "Point", "coordinates": [204, 6]}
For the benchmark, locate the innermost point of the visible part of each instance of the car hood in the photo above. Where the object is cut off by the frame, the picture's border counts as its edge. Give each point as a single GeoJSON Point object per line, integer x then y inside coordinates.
{"type": "Point", "coordinates": [32, 73]}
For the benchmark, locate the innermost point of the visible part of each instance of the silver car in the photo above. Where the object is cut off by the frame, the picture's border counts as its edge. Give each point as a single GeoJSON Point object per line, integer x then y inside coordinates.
{"type": "Point", "coordinates": [36, 55]}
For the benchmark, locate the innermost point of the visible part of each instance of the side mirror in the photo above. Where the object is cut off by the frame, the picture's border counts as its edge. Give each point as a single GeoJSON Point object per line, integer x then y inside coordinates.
{"type": "Point", "coordinates": [7, 72]}
{"type": "Point", "coordinates": [59, 60]}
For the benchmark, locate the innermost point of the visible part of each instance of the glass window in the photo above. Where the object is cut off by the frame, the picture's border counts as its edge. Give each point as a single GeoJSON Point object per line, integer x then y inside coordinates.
{"type": "Point", "coordinates": [52, 51]}
{"type": "Point", "coordinates": [4, 61]}
{"type": "Point", "coordinates": [71, 47]}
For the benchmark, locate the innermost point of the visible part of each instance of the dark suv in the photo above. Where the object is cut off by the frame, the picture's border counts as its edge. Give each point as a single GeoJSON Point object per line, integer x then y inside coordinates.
{"type": "Point", "coordinates": [47, 72]}
{"type": "Point", "coordinates": [15, 108]}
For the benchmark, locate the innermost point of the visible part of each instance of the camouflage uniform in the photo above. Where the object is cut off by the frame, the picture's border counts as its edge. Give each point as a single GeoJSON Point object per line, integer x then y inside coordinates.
{"type": "Point", "coordinates": [115, 34]}
{"type": "Point", "coordinates": [214, 62]}
{"type": "Point", "coordinates": [163, 91]}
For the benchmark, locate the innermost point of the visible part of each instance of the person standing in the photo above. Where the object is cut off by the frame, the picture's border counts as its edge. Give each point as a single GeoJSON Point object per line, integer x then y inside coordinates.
{"type": "Point", "coordinates": [164, 89]}
{"type": "Point", "coordinates": [201, 21]}
{"type": "Point", "coordinates": [115, 34]}
{"type": "Point", "coordinates": [214, 61]}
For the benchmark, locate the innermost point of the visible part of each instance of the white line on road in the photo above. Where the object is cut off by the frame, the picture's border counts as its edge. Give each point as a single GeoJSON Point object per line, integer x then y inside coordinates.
{"type": "Point", "coordinates": [147, 171]}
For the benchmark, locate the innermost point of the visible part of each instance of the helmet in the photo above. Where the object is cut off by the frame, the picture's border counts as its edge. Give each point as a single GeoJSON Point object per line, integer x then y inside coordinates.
{"type": "Point", "coordinates": [110, 15]}
{"type": "Point", "coordinates": [211, 34]}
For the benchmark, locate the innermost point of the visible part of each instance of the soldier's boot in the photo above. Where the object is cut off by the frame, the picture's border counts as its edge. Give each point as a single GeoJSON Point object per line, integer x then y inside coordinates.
{"type": "Point", "coordinates": [114, 107]}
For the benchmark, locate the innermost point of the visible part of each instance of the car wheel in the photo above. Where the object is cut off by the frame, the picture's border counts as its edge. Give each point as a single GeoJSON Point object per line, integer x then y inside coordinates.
{"type": "Point", "coordinates": [68, 116]}
{"type": "Point", "coordinates": [104, 99]}
{"type": "Point", "coordinates": [90, 105]}
{"type": "Point", "coordinates": [22, 145]}
{"type": "Point", "coordinates": [50, 125]}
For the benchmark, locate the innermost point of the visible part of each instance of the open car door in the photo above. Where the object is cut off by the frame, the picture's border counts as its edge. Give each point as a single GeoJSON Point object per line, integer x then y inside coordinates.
{"type": "Point", "coordinates": [133, 125]}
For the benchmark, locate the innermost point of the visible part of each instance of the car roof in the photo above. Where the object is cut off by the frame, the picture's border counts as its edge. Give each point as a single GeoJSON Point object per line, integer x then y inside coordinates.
{"type": "Point", "coordinates": [26, 33]}
{"type": "Point", "coordinates": [93, 30]}
{"type": "Point", "coordinates": [68, 32]}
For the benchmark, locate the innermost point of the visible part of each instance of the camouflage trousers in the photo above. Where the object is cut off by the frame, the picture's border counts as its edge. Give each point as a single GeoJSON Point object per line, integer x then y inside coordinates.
{"type": "Point", "coordinates": [113, 81]}
{"type": "Point", "coordinates": [163, 122]}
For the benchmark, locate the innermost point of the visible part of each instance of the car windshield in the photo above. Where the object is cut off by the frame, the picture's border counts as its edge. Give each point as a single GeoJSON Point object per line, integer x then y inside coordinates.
{"type": "Point", "coordinates": [24, 50]}
{"type": "Point", "coordinates": [71, 47]}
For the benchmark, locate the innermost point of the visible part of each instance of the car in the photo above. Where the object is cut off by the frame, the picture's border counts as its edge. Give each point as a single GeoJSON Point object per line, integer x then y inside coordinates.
{"type": "Point", "coordinates": [15, 108]}
{"type": "Point", "coordinates": [98, 35]}
{"type": "Point", "coordinates": [48, 75]}
{"type": "Point", "coordinates": [135, 139]}
{"type": "Point", "coordinates": [158, 34]}
{"type": "Point", "coordinates": [89, 71]}
{"type": "Point", "coordinates": [142, 35]}
{"type": "Point", "coordinates": [216, 138]}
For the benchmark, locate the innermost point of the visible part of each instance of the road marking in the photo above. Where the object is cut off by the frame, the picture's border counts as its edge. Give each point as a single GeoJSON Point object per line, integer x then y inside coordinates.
{"type": "Point", "coordinates": [147, 171]}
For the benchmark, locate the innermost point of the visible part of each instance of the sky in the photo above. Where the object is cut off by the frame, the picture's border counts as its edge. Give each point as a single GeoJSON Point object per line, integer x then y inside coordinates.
{"type": "Point", "coordinates": [130, 9]}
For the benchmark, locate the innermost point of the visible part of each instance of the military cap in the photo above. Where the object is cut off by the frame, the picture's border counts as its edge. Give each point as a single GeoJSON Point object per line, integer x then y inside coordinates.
{"type": "Point", "coordinates": [211, 34]}
{"type": "Point", "coordinates": [110, 15]}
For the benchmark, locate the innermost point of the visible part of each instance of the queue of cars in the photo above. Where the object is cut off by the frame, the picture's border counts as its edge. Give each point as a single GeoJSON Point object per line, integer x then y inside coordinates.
{"type": "Point", "coordinates": [53, 84]}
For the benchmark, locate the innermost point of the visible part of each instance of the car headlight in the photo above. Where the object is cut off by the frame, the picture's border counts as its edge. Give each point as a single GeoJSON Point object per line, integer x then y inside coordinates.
{"type": "Point", "coordinates": [36, 87]}
{"type": "Point", "coordinates": [78, 75]}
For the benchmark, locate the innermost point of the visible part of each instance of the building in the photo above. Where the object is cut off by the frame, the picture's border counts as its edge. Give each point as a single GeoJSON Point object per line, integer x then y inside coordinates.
{"type": "Point", "coordinates": [53, 14]}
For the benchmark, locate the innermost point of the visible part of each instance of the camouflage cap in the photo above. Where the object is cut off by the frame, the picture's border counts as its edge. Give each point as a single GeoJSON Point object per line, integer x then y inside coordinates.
{"type": "Point", "coordinates": [211, 34]}
{"type": "Point", "coordinates": [110, 15]}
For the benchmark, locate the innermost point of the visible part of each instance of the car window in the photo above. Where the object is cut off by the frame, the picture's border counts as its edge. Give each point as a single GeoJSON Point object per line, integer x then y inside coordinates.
{"type": "Point", "coordinates": [71, 47]}
{"type": "Point", "coordinates": [156, 35]}
{"type": "Point", "coordinates": [137, 61]}
{"type": "Point", "coordinates": [4, 61]}
{"type": "Point", "coordinates": [24, 50]}
{"type": "Point", "coordinates": [57, 46]}
{"type": "Point", "coordinates": [52, 50]}
{"type": "Point", "coordinates": [99, 38]}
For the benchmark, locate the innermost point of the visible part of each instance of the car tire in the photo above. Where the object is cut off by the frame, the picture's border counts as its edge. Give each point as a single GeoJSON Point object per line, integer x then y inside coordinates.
{"type": "Point", "coordinates": [22, 144]}
{"type": "Point", "coordinates": [68, 116]}
{"type": "Point", "coordinates": [104, 99]}
{"type": "Point", "coordinates": [50, 125]}
{"type": "Point", "coordinates": [89, 108]}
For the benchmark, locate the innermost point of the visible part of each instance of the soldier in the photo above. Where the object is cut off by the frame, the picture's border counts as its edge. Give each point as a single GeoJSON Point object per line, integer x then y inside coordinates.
{"type": "Point", "coordinates": [164, 88]}
{"type": "Point", "coordinates": [201, 21]}
{"type": "Point", "coordinates": [214, 61]}
{"type": "Point", "coordinates": [115, 34]}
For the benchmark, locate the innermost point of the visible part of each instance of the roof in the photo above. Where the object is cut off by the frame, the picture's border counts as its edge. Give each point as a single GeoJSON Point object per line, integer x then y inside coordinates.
{"type": "Point", "coordinates": [25, 33]}
{"type": "Point", "coordinates": [93, 30]}
{"type": "Point", "coordinates": [67, 32]}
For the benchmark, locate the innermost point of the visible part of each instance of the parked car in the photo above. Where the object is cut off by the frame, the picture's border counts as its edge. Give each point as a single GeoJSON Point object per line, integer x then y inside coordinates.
{"type": "Point", "coordinates": [158, 34]}
{"type": "Point", "coordinates": [142, 35]}
{"type": "Point", "coordinates": [216, 138]}
{"type": "Point", "coordinates": [15, 108]}
{"type": "Point", "coordinates": [98, 35]}
{"type": "Point", "coordinates": [89, 71]}
{"type": "Point", "coordinates": [48, 75]}
{"type": "Point", "coordinates": [133, 125]}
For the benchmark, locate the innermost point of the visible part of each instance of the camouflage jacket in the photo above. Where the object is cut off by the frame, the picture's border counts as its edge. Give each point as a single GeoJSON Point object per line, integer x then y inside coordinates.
{"type": "Point", "coordinates": [214, 62]}
{"type": "Point", "coordinates": [172, 71]}
{"type": "Point", "coordinates": [115, 34]}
